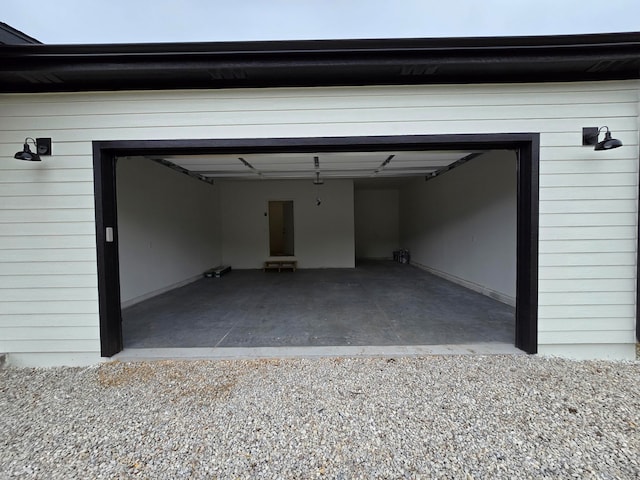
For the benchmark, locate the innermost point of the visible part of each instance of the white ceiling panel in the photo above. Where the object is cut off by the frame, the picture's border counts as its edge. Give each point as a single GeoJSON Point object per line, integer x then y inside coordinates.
{"type": "Point", "coordinates": [331, 164]}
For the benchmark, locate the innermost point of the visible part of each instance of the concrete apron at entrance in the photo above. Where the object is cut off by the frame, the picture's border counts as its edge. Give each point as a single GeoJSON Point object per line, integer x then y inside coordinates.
{"type": "Point", "coordinates": [231, 353]}
{"type": "Point", "coordinates": [378, 308]}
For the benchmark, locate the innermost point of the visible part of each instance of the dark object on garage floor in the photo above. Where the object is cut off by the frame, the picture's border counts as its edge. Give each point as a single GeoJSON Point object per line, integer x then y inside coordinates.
{"type": "Point", "coordinates": [217, 272]}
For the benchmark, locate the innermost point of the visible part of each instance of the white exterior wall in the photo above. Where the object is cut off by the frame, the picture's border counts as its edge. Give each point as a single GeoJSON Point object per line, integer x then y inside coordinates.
{"type": "Point", "coordinates": [323, 235]}
{"type": "Point", "coordinates": [462, 225]}
{"type": "Point", "coordinates": [588, 199]}
{"type": "Point", "coordinates": [168, 228]}
{"type": "Point", "coordinates": [377, 224]}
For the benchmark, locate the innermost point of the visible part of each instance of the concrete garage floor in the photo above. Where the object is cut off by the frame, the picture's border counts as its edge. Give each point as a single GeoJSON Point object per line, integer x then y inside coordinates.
{"type": "Point", "coordinates": [377, 303]}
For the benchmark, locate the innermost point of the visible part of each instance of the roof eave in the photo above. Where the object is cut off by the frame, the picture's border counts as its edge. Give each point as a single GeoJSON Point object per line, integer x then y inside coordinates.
{"type": "Point", "coordinates": [320, 62]}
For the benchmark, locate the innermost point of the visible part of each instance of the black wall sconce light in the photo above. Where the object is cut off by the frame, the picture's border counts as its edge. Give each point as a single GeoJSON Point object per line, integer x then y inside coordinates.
{"type": "Point", "coordinates": [43, 147]}
{"type": "Point", "coordinates": [590, 137]}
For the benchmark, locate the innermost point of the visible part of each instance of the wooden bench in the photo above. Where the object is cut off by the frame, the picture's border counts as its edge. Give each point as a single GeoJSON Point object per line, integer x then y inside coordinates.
{"type": "Point", "coordinates": [280, 264]}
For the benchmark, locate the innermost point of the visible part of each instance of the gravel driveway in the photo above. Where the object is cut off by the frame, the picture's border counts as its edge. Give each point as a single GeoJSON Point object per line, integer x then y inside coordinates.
{"type": "Point", "coordinates": [432, 417]}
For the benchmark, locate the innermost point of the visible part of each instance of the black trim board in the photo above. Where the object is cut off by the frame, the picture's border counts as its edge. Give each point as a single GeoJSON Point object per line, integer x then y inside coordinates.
{"type": "Point", "coordinates": [527, 146]}
{"type": "Point", "coordinates": [104, 171]}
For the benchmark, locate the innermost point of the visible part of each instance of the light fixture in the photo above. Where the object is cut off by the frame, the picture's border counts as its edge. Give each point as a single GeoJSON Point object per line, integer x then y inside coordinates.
{"type": "Point", "coordinates": [590, 137]}
{"type": "Point", "coordinates": [43, 147]}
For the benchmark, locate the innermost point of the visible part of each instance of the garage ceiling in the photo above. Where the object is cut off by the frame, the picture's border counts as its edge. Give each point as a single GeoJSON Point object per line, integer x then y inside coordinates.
{"type": "Point", "coordinates": [355, 165]}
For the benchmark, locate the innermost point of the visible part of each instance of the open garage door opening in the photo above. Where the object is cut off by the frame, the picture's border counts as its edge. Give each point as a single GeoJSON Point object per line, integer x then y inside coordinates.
{"type": "Point", "coordinates": [391, 244]}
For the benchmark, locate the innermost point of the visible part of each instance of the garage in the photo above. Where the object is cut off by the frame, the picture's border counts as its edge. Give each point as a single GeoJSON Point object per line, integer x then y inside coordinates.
{"type": "Point", "coordinates": [340, 214]}
{"type": "Point", "coordinates": [241, 125]}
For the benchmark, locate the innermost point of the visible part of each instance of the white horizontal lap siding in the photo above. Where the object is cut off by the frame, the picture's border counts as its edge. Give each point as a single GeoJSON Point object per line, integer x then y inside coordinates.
{"type": "Point", "coordinates": [48, 278]}
{"type": "Point", "coordinates": [588, 200]}
{"type": "Point", "coordinates": [588, 238]}
{"type": "Point", "coordinates": [298, 112]}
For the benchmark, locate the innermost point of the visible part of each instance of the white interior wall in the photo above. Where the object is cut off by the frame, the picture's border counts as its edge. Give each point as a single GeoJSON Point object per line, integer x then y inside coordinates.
{"type": "Point", "coordinates": [323, 234]}
{"type": "Point", "coordinates": [168, 228]}
{"type": "Point", "coordinates": [377, 229]}
{"type": "Point", "coordinates": [462, 224]}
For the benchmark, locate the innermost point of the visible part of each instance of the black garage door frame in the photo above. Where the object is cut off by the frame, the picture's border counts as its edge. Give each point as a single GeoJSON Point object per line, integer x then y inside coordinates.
{"type": "Point", "coordinates": [526, 145]}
